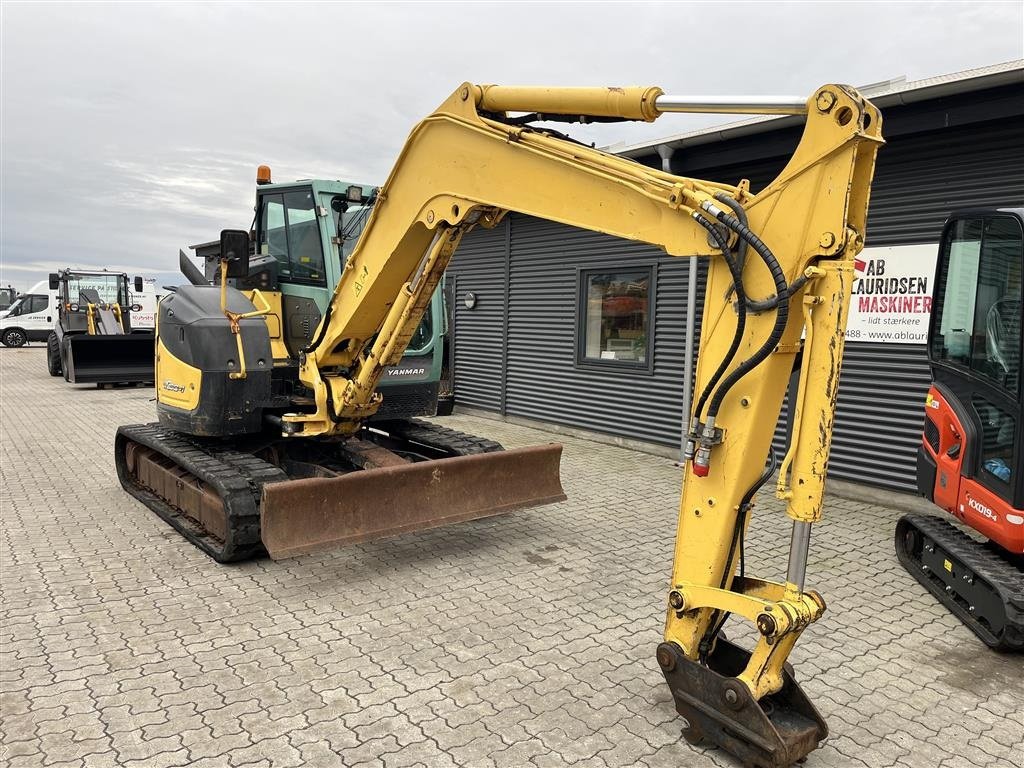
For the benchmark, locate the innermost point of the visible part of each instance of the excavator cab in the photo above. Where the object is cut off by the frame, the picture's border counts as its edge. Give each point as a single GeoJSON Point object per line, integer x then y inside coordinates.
{"type": "Point", "coordinates": [302, 235]}
{"type": "Point", "coordinates": [971, 458]}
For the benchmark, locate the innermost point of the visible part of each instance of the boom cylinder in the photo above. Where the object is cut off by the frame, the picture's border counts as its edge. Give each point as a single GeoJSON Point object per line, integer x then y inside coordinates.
{"type": "Point", "coordinates": [631, 103]}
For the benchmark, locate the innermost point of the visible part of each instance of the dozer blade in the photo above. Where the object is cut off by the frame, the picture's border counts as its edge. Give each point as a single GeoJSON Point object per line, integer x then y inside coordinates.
{"type": "Point", "coordinates": [311, 515]}
{"type": "Point", "coordinates": [115, 359]}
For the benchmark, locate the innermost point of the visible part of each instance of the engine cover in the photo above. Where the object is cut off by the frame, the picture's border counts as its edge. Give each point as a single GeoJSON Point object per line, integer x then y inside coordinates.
{"type": "Point", "coordinates": [196, 356]}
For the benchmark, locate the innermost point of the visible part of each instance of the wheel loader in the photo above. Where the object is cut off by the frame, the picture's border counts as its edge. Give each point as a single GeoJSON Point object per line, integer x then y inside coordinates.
{"type": "Point", "coordinates": [254, 451]}
{"type": "Point", "coordinates": [93, 341]}
{"type": "Point", "coordinates": [971, 459]}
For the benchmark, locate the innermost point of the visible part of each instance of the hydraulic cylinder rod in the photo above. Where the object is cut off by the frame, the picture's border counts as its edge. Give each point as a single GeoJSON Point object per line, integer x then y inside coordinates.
{"type": "Point", "coordinates": [740, 105]}
{"type": "Point", "coordinates": [632, 103]}
{"type": "Point", "coordinates": [798, 550]}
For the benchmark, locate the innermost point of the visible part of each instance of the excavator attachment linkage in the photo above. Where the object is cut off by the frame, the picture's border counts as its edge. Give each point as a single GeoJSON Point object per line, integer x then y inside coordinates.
{"type": "Point", "coordinates": [774, 732]}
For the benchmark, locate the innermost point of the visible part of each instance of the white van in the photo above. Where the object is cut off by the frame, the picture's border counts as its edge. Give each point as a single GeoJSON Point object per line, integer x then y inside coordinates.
{"type": "Point", "coordinates": [32, 316]}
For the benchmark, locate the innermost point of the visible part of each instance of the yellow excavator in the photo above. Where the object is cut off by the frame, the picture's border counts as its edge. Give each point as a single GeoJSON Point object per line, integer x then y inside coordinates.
{"type": "Point", "coordinates": [257, 449]}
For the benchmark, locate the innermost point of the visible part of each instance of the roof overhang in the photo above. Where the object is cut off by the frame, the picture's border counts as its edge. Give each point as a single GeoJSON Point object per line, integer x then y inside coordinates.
{"type": "Point", "coordinates": [893, 93]}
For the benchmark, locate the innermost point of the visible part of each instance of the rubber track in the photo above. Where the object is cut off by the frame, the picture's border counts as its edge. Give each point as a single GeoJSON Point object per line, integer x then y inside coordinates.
{"type": "Point", "coordinates": [451, 441]}
{"type": "Point", "coordinates": [238, 479]}
{"type": "Point", "coordinates": [1005, 580]}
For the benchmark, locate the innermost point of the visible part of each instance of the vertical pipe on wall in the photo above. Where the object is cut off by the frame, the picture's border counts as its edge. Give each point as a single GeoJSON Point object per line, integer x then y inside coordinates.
{"type": "Point", "coordinates": [504, 320]}
{"type": "Point", "coordinates": [666, 152]}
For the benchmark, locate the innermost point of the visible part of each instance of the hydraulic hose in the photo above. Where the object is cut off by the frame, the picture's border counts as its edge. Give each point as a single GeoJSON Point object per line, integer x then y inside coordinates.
{"type": "Point", "coordinates": [741, 214]}
{"type": "Point", "coordinates": [782, 308]}
{"type": "Point", "coordinates": [741, 312]}
{"type": "Point", "coordinates": [769, 469]}
{"type": "Point", "coordinates": [755, 305]}
{"type": "Point", "coordinates": [718, 620]}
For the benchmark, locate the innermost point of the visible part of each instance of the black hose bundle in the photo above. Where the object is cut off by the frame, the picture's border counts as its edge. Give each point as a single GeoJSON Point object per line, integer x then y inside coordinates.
{"type": "Point", "coordinates": [756, 305]}
{"type": "Point", "coordinates": [741, 310]}
{"type": "Point", "coordinates": [781, 307]}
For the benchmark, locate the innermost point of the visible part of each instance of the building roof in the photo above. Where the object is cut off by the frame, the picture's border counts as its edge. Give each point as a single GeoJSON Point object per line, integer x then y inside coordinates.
{"type": "Point", "coordinates": [884, 94]}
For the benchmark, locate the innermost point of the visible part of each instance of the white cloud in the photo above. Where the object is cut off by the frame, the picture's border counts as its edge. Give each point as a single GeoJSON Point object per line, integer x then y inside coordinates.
{"type": "Point", "coordinates": [130, 130]}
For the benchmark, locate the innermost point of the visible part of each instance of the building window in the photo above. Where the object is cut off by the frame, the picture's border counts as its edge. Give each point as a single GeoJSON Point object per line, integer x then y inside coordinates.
{"type": "Point", "coordinates": [615, 317]}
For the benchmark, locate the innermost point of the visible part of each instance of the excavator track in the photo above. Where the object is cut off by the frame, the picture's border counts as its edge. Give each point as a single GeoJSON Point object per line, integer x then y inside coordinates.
{"type": "Point", "coordinates": [449, 441]}
{"type": "Point", "coordinates": [209, 493]}
{"type": "Point", "coordinates": [978, 585]}
{"type": "Point", "coordinates": [212, 491]}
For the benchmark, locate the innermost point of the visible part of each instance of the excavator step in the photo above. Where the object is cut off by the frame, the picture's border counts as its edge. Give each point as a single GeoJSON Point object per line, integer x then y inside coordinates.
{"type": "Point", "coordinates": [234, 504]}
{"type": "Point", "coordinates": [975, 581]}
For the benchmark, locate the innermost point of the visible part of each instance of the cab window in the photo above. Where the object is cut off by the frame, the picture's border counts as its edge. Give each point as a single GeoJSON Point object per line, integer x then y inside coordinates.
{"type": "Point", "coordinates": [998, 426]}
{"type": "Point", "coordinates": [290, 232]}
{"type": "Point", "coordinates": [109, 288]}
{"type": "Point", "coordinates": [36, 304]}
{"type": "Point", "coordinates": [979, 300]}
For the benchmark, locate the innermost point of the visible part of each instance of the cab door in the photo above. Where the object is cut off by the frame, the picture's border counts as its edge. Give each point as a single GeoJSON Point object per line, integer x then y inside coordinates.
{"type": "Point", "coordinates": [975, 347]}
{"type": "Point", "coordinates": [36, 317]}
{"type": "Point", "coordinates": [288, 228]}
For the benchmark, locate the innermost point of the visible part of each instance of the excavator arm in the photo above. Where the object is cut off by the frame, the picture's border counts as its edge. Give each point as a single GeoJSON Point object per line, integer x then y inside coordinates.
{"type": "Point", "coordinates": [779, 280]}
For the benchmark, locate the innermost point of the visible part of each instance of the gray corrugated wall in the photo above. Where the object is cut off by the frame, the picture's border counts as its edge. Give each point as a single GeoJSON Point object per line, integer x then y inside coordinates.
{"type": "Point", "coordinates": [479, 268]}
{"type": "Point", "coordinates": [543, 379]}
{"type": "Point", "coordinates": [920, 177]}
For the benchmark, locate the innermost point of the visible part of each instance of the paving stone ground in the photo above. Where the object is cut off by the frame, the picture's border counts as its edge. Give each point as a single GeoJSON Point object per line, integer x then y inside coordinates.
{"type": "Point", "coordinates": [525, 640]}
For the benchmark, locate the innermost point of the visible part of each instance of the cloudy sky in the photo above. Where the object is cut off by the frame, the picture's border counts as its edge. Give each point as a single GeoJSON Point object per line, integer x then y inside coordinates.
{"type": "Point", "coordinates": [131, 130]}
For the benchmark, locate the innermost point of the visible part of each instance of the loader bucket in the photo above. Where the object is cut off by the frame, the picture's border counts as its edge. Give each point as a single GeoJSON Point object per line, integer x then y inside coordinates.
{"type": "Point", "coordinates": [114, 359]}
{"type": "Point", "coordinates": [312, 515]}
